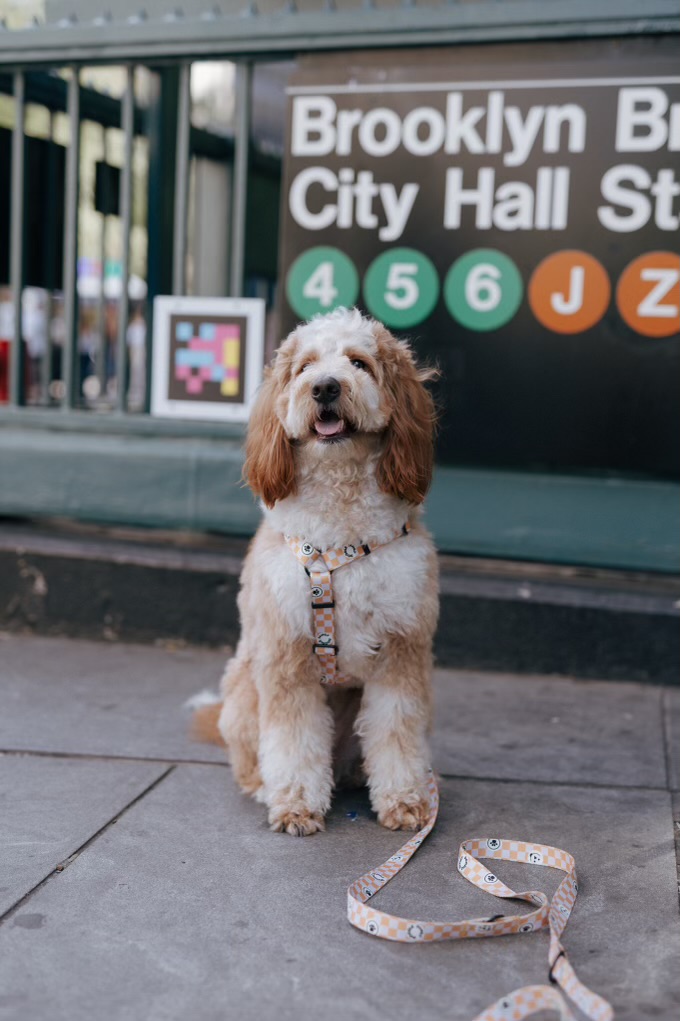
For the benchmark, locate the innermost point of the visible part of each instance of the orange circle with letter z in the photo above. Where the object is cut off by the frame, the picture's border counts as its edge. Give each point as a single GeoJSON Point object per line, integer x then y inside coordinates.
{"type": "Point", "coordinates": [648, 294]}
{"type": "Point", "coordinates": [569, 291]}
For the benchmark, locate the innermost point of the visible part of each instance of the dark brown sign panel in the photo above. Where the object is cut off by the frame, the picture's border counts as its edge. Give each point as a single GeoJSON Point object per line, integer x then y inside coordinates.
{"type": "Point", "coordinates": [515, 211]}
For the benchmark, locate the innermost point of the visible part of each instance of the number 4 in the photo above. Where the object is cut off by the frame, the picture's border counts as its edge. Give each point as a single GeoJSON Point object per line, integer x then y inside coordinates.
{"type": "Point", "coordinates": [320, 285]}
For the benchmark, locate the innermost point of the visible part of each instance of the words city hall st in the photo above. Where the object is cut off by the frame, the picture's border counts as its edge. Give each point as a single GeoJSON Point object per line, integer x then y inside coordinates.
{"type": "Point", "coordinates": [319, 197]}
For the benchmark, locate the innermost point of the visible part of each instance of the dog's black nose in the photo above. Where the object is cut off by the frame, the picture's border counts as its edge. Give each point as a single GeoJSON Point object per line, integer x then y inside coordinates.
{"type": "Point", "coordinates": [326, 390]}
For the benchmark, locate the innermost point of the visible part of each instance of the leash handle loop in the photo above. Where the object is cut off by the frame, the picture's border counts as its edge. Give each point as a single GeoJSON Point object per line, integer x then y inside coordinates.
{"type": "Point", "coordinates": [552, 914]}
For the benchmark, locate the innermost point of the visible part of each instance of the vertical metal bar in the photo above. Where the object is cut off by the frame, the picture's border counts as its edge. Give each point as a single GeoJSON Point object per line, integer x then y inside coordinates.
{"type": "Point", "coordinates": [16, 250]}
{"type": "Point", "coordinates": [70, 354]}
{"type": "Point", "coordinates": [46, 357]}
{"type": "Point", "coordinates": [161, 131]}
{"type": "Point", "coordinates": [100, 356]}
{"type": "Point", "coordinates": [244, 75]}
{"type": "Point", "coordinates": [49, 261]}
{"type": "Point", "coordinates": [181, 180]}
{"type": "Point", "coordinates": [127, 124]}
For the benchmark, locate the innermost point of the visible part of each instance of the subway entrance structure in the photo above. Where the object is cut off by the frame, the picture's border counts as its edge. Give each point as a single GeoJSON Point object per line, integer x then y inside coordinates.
{"type": "Point", "coordinates": [499, 182]}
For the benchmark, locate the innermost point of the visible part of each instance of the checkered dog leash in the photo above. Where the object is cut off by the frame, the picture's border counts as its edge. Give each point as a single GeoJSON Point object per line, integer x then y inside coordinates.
{"type": "Point", "coordinates": [319, 565]}
{"type": "Point", "coordinates": [522, 1003]}
{"type": "Point", "coordinates": [554, 914]}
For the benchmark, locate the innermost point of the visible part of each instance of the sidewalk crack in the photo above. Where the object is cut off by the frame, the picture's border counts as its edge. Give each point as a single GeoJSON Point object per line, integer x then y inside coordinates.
{"type": "Point", "coordinates": [63, 865]}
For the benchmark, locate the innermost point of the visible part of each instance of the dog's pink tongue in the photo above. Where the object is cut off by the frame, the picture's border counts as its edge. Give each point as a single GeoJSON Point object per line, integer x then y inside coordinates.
{"type": "Point", "coordinates": [330, 428]}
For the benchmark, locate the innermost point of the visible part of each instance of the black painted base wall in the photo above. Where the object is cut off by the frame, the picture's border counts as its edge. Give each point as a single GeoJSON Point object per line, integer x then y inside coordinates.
{"type": "Point", "coordinates": [114, 599]}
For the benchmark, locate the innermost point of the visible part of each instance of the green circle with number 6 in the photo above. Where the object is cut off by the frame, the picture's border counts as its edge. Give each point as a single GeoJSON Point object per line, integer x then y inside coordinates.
{"type": "Point", "coordinates": [483, 289]}
{"type": "Point", "coordinates": [320, 280]}
{"type": "Point", "coordinates": [401, 287]}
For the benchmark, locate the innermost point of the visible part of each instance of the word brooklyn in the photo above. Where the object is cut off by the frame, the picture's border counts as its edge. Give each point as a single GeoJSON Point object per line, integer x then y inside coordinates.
{"type": "Point", "coordinates": [342, 193]}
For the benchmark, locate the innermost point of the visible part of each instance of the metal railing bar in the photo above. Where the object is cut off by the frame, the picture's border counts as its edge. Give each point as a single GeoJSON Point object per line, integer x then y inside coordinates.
{"type": "Point", "coordinates": [227, 37]}
{"type": "Point", "coordinates": [181, 181]}
{"type": "Point", "coordinates": [50, 259]}
{"type": "Point", "coordinates": [16, 249]}
{"type": "Point", "coordinates": [127, 124]}
{"type": "Point", "coordinates": [100, 356]}
{"type": "Point", "coordinates": [46, 357]}
{"type": "Point", "coordinates": [244, 74]}
{"type": "Point", "coordinates": [69, 358]}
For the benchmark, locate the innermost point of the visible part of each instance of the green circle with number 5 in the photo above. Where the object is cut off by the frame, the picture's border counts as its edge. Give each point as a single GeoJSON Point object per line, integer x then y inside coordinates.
{"type": "Point", "coordinates": [320, 280]}
{"type": "Point", "coordinates": [401, 287]}
{"type": "Point", "coordinates": [483, 289]}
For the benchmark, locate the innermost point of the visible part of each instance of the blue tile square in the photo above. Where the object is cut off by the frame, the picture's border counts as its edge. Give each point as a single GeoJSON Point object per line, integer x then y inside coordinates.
{"type": "Point", "coordinates": [184, 331]}
{"type": "Point", "coordinates": [194, 359]}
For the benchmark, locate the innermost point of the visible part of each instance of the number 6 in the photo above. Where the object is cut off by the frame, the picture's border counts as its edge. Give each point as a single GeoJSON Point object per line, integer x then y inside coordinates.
{"type": "Point", "coordinates": [482, 291]}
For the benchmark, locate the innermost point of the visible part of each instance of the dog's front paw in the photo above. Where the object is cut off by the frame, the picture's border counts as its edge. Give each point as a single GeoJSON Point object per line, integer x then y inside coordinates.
{"type": "Point", "coordinates": [406, 813]}
{"type": "Point", "coordinates": [299, 822]}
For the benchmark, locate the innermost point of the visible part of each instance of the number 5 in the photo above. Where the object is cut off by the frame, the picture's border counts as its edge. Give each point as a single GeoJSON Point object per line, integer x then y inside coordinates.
{"type": "Point", "coordinates": [400, 278]}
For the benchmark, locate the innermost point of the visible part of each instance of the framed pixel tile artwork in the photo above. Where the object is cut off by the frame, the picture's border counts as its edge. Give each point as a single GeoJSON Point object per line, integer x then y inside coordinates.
{"type": "Point", "coordinates": [207, 357]}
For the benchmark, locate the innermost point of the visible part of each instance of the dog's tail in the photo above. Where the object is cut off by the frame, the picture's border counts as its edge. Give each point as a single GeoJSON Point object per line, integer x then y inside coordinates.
{"type": "Point", "coordinates": [206, 707]}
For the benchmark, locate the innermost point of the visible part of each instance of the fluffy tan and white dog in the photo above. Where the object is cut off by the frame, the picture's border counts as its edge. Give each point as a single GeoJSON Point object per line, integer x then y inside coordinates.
{"type": "Point", "coordinates": [339, 450]}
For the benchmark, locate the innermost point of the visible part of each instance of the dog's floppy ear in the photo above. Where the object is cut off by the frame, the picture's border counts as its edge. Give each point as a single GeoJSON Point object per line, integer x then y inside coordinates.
{"type": "Point", "coordinates": [269, 467]}
{"type": "Point", "coordinates": [405, 468]}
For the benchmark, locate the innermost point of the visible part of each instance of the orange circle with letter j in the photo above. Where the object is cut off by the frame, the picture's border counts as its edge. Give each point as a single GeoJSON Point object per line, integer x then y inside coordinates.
{"type": "Point", "coordinates": [569, 291]}
{"type": "Point", "coordinates": [648, 294]}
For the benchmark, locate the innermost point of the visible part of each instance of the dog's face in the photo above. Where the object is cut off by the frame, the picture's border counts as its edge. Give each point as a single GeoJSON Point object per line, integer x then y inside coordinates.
{"type": "Point", "coordinates": [337, 382]}
{"type": "Point", "coordinates": [333, 391]}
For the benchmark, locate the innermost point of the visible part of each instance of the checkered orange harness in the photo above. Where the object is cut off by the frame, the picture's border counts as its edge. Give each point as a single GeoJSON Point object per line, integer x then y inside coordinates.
{"type": "Point", "coordinates": [553, 914]}
{"type": "Point", "coordinates": [319, 565]}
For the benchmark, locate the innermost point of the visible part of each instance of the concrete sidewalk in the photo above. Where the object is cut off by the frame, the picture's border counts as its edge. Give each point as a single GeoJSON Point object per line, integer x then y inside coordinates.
{"type": "Point", "coordinates": [137, 883]}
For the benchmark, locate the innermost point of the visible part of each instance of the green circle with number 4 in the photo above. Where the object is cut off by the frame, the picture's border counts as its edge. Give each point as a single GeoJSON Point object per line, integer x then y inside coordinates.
{"type": "Point", "coordinates": [483, 289]}
{"type": "Point", "coordinates": [320, 280]}
{"type": "Point", "coordinates": [401, 287]}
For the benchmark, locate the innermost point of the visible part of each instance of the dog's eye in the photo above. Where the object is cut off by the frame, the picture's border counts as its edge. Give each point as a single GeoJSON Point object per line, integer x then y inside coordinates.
{"type": "Point", "coordinates": [305, 366]}
{"type": "Point", "coordinates": [358, 364]}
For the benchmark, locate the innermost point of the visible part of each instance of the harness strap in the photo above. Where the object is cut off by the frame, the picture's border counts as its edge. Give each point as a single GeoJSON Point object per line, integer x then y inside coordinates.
{"type": "Point", "coordinates": [553, 914]}
{"type": "Point", "coordinates": [319, 565]}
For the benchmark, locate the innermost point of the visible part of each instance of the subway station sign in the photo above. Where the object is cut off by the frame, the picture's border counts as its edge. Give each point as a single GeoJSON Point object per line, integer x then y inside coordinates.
{"type": "Point", "coordinates": [516, 211]}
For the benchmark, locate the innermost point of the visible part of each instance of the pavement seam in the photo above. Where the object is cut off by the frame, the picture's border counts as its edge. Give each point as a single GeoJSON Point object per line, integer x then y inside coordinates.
{"type": "Point", "coordinates": [675, 811]}
{"type": "Point", "coordinates": [588, 784]}
{"type": "Point", "coordinates": [666, 737]}
{"type": "Point", "coordinates": [581, 784]}
{"type": "Point", "coordinates": [675, 796]}
{"type": "Point", "coordinates": [63, 865]}
{"type": "Point", "coordinates": [101, 757]}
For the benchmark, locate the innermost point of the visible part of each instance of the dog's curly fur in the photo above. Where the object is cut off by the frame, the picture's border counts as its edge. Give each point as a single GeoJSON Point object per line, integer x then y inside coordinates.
{"type": "Point", "coordinates": [354, 470]}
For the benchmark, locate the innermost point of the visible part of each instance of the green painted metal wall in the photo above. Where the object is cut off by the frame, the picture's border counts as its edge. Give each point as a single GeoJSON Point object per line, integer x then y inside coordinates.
{"type": "Point", "coordinates": [191, 479]}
